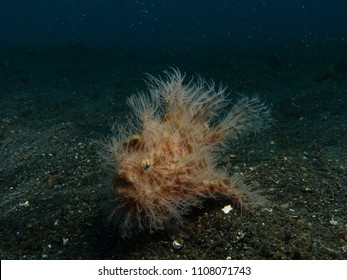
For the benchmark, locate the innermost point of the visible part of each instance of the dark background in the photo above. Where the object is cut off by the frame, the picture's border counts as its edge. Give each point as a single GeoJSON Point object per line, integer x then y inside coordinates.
{"type": "Point", "coordinates": [168, 24]}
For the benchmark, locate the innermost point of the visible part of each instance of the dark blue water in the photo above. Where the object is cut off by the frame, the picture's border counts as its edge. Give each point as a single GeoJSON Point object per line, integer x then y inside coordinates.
{"type": "Point", "coordinates": [168, 24]}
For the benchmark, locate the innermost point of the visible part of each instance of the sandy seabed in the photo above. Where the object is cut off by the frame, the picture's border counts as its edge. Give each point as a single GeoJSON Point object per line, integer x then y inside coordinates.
{"type": "Point", "coordinates": [55, 101]}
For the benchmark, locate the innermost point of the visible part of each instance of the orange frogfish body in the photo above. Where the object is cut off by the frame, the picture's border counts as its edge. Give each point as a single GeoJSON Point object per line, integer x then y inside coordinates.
{"type": "Point", "coordinates": [165, 157]}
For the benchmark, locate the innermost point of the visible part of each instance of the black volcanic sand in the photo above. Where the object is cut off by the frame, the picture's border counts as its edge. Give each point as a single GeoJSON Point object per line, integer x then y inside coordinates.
{"type": "Point", "coordinates": [55, 102]}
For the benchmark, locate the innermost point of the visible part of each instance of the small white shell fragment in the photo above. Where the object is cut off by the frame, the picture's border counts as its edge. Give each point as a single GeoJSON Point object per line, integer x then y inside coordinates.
{"type": "Point", "coordinates": [227, 209]}
{"type": "Point", "coordinates": [177, 244]}
{"type": "Point", "coordinates": [65, 240]}
{"type": "Point", "coordinates": [268, 210]}
{"type": "Point", "coordinates": [333, 222]}
{"type": "Point", "coordinates": [25, 204]}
